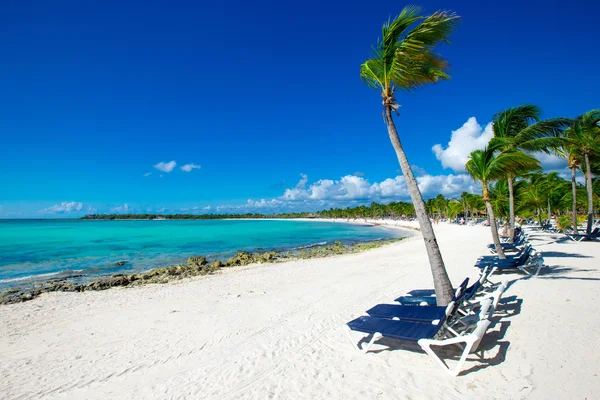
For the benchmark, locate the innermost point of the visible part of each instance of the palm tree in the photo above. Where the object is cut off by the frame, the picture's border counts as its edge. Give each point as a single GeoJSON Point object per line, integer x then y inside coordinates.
{"type": "Point", "coordinates": [404, 59]}
{"type": "Point", "coordinates": [584, 134]}
{"type": "Point", "coordinates": [534, 194]}
{"type": "Point", "coordinates": [569, 150]}
{"type": "Point", "coordinates": [555, 190]}
{"type": "Point", "coordinates": [489, 165]}
{"type": "Point", "coordinates": [520, 128]}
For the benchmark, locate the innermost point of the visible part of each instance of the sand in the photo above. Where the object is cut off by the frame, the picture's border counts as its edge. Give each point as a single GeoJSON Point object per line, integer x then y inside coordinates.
{"type": "Point", "coordinates": [274, 331]}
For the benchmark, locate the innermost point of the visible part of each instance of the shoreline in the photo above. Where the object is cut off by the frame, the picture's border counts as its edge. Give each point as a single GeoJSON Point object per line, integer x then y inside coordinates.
{"type": "Point", "coordinates": [197, 265]}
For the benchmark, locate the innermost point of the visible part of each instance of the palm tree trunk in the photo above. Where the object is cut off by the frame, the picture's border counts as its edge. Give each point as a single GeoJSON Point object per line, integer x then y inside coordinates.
{"type": "Point", "coordinates": [539, 215]}
{"type": "Point", "coordinates": [493, 225]}
{"type": "Point", "coordinates": [548, 210]}
{"type": "Point", "coordinates": [511, 206]}
{"type": "Point", "coordinates": [441, 282]}
{"type": "Point", "coordinates": [588, 181]}
{"type": "Point", "coordinates": [574, 189]}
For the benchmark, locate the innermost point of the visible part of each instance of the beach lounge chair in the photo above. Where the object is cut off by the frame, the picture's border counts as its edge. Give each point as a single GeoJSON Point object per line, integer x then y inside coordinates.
{"type": "Point", "coordinates": [514, 261]}
{"type": "Point", "coordinates": [515, 246]}
{"type": "Point", "coordinates": [594, 235]}
{"type": "Point", "coordinates": [425, 334]}
{"type": "Point", "coordinates": [426, 297]}
{"type": "Point", "coordinates": [463, 306]}
{"type": "Point", "coordinates": [531, 266]}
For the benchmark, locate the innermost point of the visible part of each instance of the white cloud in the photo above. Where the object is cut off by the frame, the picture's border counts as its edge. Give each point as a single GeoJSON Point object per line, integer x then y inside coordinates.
{"type": "Point", "coordinates": [64, 208]}
{"type": "Point", "coordinates": [417, 171]}
{"type": "Point", "coordinates": [463, 141]}
{"type": "Point", "coordinates": [302, 182]}
{"type": "Point", "coordinates": [148, 174]}
{"type": "Point", "coordinates": [190, 167]}
{"type": "Point", "coordinates": [448, 185]}
{"type": "Point", "coordinates": [550, 162]}
{"type": "Point", "coordinates": [207, 208]}
{"type": "Point", "coordinates": [124, 209]}
{"type": "Point", "coordinates": [165, 166]}
{"type": "Point", "coordinates": [352, 188]}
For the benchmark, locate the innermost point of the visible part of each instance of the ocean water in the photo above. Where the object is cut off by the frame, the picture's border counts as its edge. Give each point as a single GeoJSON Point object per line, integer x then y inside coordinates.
{"type": "Point", "coordinates": [34, 250]}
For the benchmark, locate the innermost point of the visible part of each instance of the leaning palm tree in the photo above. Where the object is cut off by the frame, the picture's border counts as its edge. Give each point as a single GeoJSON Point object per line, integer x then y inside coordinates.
{"type": "Point", "coordinates": [585, 135]}
{"type": "Point", "coordinates": [520, 128]}
{"type": "Point", "coordinates": [489, 165]}
{"type": "Point", "coordinates": [404, 59]}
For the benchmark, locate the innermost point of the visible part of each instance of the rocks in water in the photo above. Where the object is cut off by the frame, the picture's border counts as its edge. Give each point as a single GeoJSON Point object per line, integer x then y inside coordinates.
{"type": "Point", "coordinates": [107, 283]}
{"type": "Point", "coordinates": [194, 266]}
{"type": "Point", "coordinates": [195, 261]}
{"type": "Point", "coordinates": [245, 258]}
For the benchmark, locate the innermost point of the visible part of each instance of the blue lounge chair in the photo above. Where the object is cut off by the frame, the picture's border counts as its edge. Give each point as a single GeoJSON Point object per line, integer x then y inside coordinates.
{"type": "Point", "coordinates": [517, 258]}
{"type": "Point", "coordinates": [594, 235]}
{"type": "Point", "coordinates": [426, 335]}
{"type": "Point", "coordinates": [530, 266]}
{"type": "Point", "coordinates": [426, 297]}
{"type": "Point", "coordinates": [517, 244]}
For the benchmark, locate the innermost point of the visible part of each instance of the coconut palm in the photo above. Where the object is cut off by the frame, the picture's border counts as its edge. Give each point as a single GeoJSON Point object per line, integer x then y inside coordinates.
{"type": "Point", "coordinates": [533, 194]}
{"type": "Point", "coordinates": [569, 149]}
{"type": "Point", "coordinates": [584, 135]}
{"type": "Point", "coordinates": [555, 188]}
{"type": "Point", "coordinates": [520, 128]}
{"type": "Point", "coordinates": [489, 165]}
{"type": "Point", "coordinates": [404, 59]}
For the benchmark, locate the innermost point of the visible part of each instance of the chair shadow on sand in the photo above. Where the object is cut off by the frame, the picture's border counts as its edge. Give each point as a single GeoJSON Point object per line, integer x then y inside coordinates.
{"type": "Point", "coordinates": [491, 342]}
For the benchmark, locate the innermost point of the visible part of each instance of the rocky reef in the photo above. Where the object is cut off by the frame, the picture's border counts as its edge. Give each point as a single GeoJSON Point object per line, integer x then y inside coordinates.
{"type": "Point", "coordinates": [195, 266]}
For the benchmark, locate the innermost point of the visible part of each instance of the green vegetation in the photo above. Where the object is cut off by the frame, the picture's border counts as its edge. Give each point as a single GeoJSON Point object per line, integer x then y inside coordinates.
{"type": "Point", "coordinates": [490, 165]}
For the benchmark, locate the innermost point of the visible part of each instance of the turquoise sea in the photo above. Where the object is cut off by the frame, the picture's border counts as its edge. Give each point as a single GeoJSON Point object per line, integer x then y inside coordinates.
{"type": "Point", "coordinates": [34, 250]}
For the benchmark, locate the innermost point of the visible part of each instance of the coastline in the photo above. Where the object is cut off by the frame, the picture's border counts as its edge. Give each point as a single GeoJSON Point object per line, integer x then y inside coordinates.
{"type": "Point", "coordinates": [76, 281]}
{"type": "Point", "coordinates": [274, 330]}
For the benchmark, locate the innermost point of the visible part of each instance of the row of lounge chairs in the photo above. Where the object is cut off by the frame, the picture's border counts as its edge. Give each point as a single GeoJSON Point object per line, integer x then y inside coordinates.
{"type": "Point", "coordinates": [415, 317]}
{"type": "Point", "coordinates": [593, 235]}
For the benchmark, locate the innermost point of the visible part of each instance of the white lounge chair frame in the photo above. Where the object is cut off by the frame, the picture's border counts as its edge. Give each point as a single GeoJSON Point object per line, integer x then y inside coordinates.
{"type": "Point", "coordinates": [470, 340]}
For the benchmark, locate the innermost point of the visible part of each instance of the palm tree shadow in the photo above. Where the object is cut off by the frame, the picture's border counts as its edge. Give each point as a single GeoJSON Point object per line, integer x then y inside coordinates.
{"type": "Point", "coordinates": [558, 271]}
{"type": "Point", "coordinates": [563, 254]}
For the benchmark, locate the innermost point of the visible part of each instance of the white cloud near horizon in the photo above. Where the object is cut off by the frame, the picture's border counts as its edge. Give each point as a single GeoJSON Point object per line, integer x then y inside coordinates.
{"type": "Point", "coordinates": [351, 190]}
{"type": "Point", "coordinates": [351, 187]}
{"type": "Point", "coordinates": [471, 136]}
{"type": "Point", "coordinates": [63, 208]}
{"type": "Point", "coordinates": [124, 209]}
{"type": "Point", "coordinates": [189, 167]}
{"type": "Point", "coordinates": [165, 166]}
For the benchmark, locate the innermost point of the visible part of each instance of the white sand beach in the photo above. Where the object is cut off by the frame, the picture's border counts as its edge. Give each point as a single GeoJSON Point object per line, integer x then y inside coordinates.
{"type": "Point", "coordinates": [274, 331]}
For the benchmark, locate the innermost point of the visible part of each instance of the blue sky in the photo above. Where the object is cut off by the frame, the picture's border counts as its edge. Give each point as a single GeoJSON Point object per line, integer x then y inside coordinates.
{"type": "Point", "coordinates": [96, 94]}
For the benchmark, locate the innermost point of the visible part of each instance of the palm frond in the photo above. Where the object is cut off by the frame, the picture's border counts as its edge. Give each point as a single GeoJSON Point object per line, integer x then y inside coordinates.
{"type": "Point", "coordinates": [508, 123]}
{"type": "Point", "coordinates": [404, 57]}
